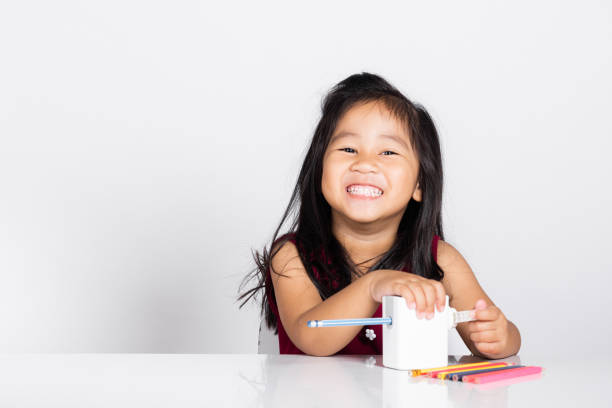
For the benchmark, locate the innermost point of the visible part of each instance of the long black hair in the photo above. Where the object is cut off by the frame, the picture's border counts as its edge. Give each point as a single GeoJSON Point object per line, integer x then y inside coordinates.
{"type": "Point", "coordinates": [311, 226]}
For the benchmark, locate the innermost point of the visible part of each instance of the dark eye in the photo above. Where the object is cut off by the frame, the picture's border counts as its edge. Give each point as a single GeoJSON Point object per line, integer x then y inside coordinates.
{"type": "Point", "coordinates": [348, 149]}
{"type": "Point", "coordinates": [389, 153]}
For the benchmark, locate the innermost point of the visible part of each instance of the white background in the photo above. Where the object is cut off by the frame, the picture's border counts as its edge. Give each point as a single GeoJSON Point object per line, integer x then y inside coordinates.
{"type": "Point", "coordinates": [147, 147]}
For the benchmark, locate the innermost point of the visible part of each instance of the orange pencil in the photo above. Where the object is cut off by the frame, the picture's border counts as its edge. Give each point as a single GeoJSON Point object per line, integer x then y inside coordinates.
{"type": "Point", "coordinates": [443, 374]}
{"type": "Point", "coordinates": [416, 373]}
{"type": "Point", "coordinates": [434, 374]}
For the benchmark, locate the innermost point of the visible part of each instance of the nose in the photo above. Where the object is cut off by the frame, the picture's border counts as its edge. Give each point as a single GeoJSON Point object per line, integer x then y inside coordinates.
{"type": "Point", "coordinates": [364, 164]}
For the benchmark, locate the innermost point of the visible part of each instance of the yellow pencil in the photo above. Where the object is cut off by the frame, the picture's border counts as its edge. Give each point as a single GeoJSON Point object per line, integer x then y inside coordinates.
{"type": "Point", "coordinates": [442, 376]}
{"type": "Point", "coordinates": [416, 373]}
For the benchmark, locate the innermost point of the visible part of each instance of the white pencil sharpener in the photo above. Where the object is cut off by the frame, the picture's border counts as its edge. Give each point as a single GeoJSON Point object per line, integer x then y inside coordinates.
{"type": "Point", "coordinates": [410, 343]}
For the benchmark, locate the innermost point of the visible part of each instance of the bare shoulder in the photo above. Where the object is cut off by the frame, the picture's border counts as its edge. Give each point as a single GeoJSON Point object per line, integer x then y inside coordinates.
{"type": "Point", "coordinates": [459, 280]}
{"type": "Point", "coordinates": [286, 261]}
{"type": "Point", "coordinates": [448, 255]}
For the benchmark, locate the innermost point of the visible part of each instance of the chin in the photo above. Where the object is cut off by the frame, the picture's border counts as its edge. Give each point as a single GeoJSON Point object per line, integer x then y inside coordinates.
{"type": "Point", "coordinates": [363, 219]}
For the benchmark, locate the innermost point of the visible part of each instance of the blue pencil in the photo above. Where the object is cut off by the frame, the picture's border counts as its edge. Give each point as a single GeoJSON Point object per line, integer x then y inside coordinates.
{"type": "Point", "coordinates": [349, 322]}
{"type": "Point", "coordinates": [458, 376]}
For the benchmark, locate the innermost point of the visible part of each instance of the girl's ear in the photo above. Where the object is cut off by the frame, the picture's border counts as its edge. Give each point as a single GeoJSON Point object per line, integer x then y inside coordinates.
{"type": "Point", "coordinates": [417, 195]}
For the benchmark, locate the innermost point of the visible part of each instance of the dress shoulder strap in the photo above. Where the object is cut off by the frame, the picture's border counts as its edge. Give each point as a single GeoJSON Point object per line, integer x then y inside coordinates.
{"type": "Point", "coordinates": [434, 247]}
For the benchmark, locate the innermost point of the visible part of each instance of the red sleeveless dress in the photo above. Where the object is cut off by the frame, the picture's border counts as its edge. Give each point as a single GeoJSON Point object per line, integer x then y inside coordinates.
{"type": "Point", "coordinates": [358, 345]}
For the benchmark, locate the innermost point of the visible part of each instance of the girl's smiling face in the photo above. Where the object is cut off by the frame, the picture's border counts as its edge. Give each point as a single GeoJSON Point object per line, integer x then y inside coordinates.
{"type": "Point", "coordinates": [369, 169]}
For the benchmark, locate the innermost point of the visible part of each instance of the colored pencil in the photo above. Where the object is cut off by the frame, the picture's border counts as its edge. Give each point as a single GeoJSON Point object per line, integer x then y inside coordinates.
{"type": "Point", "coordinates": [444, 375]}
{"type": "Point", "coordinates": [510, 373]}
{"type": "Point", "coordinates": [434, 374]}
{"type": "Point", "coordinates": [416, 373]}
{"type": "Point", "coordinates": [349, 322]}
{"type": "Point", "coordinates": [504, 383]}
{"type": "Point", "coordinates": [459, 376]}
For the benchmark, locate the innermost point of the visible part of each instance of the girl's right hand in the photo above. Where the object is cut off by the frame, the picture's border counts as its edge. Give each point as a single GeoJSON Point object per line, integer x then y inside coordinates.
{"type": "Point", "coordinates": [420, 293]}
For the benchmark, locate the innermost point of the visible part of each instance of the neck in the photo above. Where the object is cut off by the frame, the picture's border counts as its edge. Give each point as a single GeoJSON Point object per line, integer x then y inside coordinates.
{"type": "Point", "coordinates": [365, 242]}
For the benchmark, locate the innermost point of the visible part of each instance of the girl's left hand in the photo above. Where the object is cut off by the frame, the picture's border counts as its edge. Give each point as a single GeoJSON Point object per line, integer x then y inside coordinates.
{"type": "Point", "coordinates": [489, 332]}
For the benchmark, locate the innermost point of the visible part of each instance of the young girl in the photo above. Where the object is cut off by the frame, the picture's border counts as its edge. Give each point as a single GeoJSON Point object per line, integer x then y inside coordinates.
{"type": "Point", "coordinates": [369, 224]}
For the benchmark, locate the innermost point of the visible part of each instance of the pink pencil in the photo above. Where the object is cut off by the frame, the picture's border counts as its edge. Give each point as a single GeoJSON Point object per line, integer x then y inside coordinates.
{"type": "Point", "coordinates": [501, 375]}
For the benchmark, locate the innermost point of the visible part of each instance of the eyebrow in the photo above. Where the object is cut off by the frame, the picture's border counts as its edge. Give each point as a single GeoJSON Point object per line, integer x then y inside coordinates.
{"type": "Point", "coordinates": [392, 137]}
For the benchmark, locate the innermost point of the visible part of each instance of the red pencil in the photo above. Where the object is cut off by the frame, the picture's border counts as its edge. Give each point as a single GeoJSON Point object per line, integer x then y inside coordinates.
{"type": "Point", "coordinates": [501, 375]}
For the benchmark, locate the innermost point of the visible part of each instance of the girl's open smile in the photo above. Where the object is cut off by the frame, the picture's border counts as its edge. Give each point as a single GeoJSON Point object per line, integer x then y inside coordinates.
{"type": "Point", "coordinates": [364, 191]}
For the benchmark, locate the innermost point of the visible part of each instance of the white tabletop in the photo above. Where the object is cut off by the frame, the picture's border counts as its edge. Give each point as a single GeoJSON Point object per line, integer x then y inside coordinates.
{"type": "Point", "coordinates": [252, 380]}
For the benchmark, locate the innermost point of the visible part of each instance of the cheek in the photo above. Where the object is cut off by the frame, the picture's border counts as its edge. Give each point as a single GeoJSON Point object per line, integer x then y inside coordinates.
{"type": "Point", "coordinates": [325, 178]}
{"type": "Point", "coordinates": [403, 181]}
{"type": "Point", "coordinates": [331, 180]}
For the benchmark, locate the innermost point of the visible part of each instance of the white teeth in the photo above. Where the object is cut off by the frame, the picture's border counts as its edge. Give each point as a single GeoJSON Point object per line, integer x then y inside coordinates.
{"type": "Point", "coordinates": [365, 191]}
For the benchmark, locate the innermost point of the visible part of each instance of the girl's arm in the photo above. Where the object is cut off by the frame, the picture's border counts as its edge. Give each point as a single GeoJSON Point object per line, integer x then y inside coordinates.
{"type": "Point", "coordinates": [298, 301]}
{"type": "Point", "coordinates": [491, 335]}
